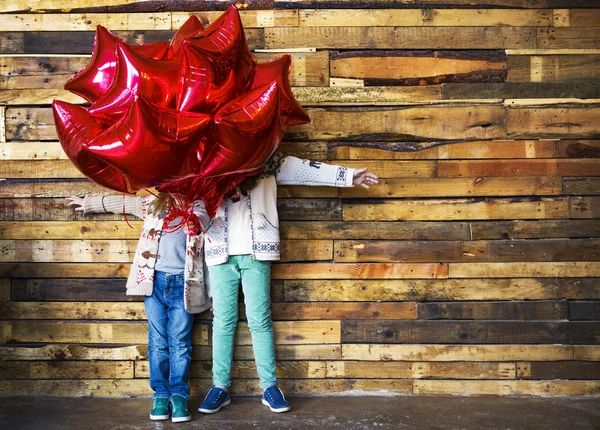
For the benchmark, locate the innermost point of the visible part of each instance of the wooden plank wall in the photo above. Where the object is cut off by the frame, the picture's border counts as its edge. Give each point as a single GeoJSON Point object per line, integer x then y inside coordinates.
{"type": "Point", "coordinates": [473, 268]}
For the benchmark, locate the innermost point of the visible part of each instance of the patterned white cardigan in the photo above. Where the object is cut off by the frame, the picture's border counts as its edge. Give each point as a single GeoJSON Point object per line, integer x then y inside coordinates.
{"type": "Point", "coordinates": [264, 220]}
{"type": "Point", "coordinates": [141, 276]}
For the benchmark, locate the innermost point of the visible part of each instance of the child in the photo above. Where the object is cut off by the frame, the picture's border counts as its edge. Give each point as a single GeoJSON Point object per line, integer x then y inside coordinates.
{"type": "Point", "coordinates": [168, 270]}
{"type": "Point", "coordinates": [241, 241]}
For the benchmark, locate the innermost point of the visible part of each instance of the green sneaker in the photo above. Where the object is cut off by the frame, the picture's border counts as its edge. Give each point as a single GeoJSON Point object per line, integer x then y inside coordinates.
{"type": "Point", "coordinates": [179, 409]}
{"type": "Point", "coordinates": [160, 409]}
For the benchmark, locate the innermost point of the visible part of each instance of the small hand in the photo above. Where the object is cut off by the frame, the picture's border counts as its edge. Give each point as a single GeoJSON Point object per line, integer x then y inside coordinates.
{"type": "Point", "coordinates": [77, 202]}
{"type": "Point", "coordinates": [364, 179]}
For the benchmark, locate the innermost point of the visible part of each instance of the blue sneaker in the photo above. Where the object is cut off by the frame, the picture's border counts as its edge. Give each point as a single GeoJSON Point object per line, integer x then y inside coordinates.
{"type": "Point", "coordinates": [275, 400]}
{"type": "Point", "coordinates": [216, 399]}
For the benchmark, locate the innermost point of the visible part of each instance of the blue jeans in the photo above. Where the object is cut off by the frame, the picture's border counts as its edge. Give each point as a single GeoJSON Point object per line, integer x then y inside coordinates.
{"type": "Point", "coordinates": [169, 337]}
{"type": "Point", "coordinates": [225, 279]}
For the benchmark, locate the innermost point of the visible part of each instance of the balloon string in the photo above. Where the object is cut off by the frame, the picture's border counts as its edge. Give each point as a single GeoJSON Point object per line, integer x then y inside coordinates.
{"type": "Point", "coordinates": [125, 214]}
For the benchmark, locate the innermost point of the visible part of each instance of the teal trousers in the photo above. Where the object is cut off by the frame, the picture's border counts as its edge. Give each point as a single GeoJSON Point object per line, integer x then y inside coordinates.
{"type": "Point", "coordinates": [255, 277]}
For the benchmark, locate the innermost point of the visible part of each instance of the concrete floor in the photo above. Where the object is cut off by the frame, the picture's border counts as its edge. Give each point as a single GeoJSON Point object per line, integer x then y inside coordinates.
{"type": "Point", "coordinates": [324, 413]}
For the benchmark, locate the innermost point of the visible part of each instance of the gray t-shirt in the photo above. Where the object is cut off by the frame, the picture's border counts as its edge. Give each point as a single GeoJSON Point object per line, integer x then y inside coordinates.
{"type": "Point", "coordinates": [171, 249]}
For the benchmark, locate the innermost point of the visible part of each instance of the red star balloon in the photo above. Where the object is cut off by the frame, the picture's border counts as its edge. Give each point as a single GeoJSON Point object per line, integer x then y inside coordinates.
{"type": "Point", "coordinates": [138, 76]}
{"type": "Point", "coordinates": [242, 126]}
{"type": "Point", "coordinates": [170, 134]}
{"type": "Point", "coordinates": [192, 27]}
{"type": "Point", "coordinates": [194, 117]}
{"type": "Point", "coordinates": [278, 70]}
{"type": "Point", "coordinates": [76, 127]}
{"type": "Point", "coordinates": [94, 80]}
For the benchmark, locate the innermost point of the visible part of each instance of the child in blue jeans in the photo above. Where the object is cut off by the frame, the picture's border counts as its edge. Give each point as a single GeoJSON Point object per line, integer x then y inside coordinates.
{"type": "Point", "coordinates": [167, 270]}
{"type": "Point", "coordinates": [240, 244]}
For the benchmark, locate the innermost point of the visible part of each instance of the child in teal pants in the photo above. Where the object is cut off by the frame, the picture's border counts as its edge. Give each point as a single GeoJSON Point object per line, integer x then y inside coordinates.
{"type": "Point", "coordinates": [240, 244]}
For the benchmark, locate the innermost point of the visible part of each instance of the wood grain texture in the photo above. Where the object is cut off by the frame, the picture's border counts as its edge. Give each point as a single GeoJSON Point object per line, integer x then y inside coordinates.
{"type": "Point", "coordinates": [472, 268]}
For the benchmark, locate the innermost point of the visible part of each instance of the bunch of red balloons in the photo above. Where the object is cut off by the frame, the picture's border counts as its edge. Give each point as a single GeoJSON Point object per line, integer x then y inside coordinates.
{"type": "Point", "coordinates": [194, 116]}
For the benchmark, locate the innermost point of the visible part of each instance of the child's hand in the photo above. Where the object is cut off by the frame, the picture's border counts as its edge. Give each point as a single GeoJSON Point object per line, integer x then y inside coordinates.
{"type": "Point", "coordinates": [364, 179]}
{"type": "Point", "coordinates": [77, 202]}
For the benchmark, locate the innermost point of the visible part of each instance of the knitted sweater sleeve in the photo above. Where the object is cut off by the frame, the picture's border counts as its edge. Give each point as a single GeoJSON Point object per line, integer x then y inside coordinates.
{"type": "Point", "coordinates": [136, 206]}
{"type": "Point", "coordinates": [295, 171]}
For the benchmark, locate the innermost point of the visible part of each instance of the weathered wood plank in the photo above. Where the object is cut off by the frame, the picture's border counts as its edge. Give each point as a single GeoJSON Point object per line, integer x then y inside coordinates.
{"type": "Point", "coordinates": [540, 229]}
{"type": "Point", "coordinates": [557, 122]}
{"type": "Point", "coordinates": [568, 38]}
{"type": "Point", "coordinates": [82, 42]}
{"type": "Point", "coordinates": [73, 352]}
{"type": "Point", "coordinates": [71, 290]}
{"type": "Point", "coordinates": [586, 352]}
{"type": "Point", "coordinates": [436, 353]}
{"type": "Point", "coordinates": [5, 290]}
{"type": "Point", "coordinates": [433, 18]}
{"type": "Point", "coordinates": [506, 388]}
{"type": "Point", "coordinates": [560, 370]}
{"type": "Point", "coordinates": [70, 230]}
{"type": "Point", "coordinates": [466, 251]}
{"type": "Point", "coordinates": [403, 37]}
{"type": "Point", "coordinates": [368, 96]}
{"type": "Point", "coordinates": [342, 310]}
{"type": "Point", "coordinates": [386, 4]}
{"type": "Point", "coordinates": [521, 90]}
{"type": "Point", "coordinates": [458, 187]}
{"type": "Point", "coordinates": [415, 123]}
{"type": "Point", "coordinates": [373, 230]}
{"type": "Point", "coordinates": [553, 68]}
{"type": "Point", "coordinates": [520, 311]}
{"type": "Point", "coordinates": [147, 21]}
{"type": "Point", "coordinates": [122, 251]}
{"type": "Point", "coordinates": [578, 148]}
{"type": "Point", "coordinates": [360, 271]}
{"type": "Point", "coordinates": [455, 209]}
{"type": "Point", "coordinates": [451, 150]}
{"type": "Point", "coordinates": [63, 270]}
{"type": "Point", "coordinates": [292, 332]}
{"type": "Point", "coordinates": [66, 370]}
{"type": "Point", "coordinates": [419, 67]}
{"type": "Point", "coordinates": [479, 168]}
{"type": "Point", "coordinates": [517, 270]}
{"type": "Point", "coordinates": [584, 311]}
{"type": "Point", "coordinates": [581, 186]}
{"type": "Point", "coordinates": [39, 169]}
{"type": "Point", "coordinates": [88, 290]}
{"type": "Point", "coordinates": [491, 332]}
{"type": "Point", "coordinates": [127, 6]}
{"type": "Point", "coordinates": [73, 310]}
{"type": "Point", "coordinates": [584, 207]}
{"type": "Point", "coordinates": [575, 17]}
{"type": "Point", "coordinates": [420, 370]}
{"type": "Point", "coordinates": [441, 290]}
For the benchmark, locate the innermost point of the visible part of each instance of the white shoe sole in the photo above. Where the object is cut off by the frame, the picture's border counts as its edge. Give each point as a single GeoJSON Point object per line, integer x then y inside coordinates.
{"type": "Point", "coordinates": [214, 411]}
{"type": "Point", "coordinates": [277, 410]}
{"type": "Point", "coordinates": [159, 417]}
{"type": "Point", "coordinates": [181, 419]}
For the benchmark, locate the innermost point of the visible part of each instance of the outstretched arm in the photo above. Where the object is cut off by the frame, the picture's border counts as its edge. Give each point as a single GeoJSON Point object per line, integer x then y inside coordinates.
{"type": "Point", "coordinates": [295, 171]}
{"type": "Point", "coordinates": [135, 206]}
